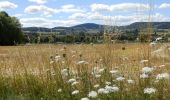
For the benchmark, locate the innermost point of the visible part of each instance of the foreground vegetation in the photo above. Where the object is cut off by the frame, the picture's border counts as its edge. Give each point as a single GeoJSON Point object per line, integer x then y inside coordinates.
{"type": "Point", "coordinates": [85, 72]}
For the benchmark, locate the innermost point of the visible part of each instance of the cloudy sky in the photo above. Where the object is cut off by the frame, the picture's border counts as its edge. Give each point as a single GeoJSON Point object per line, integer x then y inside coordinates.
{"type": "Point", "coordinates": [52, 13]}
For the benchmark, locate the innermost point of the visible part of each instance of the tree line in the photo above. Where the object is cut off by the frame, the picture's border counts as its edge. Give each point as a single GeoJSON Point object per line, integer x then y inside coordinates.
{"type": "Point", "coordinates": [10, 30]}
{"type": "Point", "coordinates": [11, 34]}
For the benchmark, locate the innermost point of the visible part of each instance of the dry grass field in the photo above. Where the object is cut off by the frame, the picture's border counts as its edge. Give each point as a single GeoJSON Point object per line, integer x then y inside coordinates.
{"type": "Point", "coordinates": [85, 72]}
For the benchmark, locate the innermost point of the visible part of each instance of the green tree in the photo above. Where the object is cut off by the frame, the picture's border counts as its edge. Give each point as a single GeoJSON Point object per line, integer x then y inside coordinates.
{"type": "Point", "coordinates": [10, 30]}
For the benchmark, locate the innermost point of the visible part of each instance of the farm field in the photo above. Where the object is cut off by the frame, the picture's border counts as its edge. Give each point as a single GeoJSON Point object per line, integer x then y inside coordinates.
{"type": "Point", "coordinates": [85, 72]}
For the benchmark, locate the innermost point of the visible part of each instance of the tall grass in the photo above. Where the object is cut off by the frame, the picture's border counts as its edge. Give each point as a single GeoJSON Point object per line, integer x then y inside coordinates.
{"type": "Point", "coordinates": [71, 72]}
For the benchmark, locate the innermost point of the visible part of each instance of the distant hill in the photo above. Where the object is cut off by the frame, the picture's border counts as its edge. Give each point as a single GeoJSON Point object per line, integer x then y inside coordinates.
{"type": "Point", "coordinates": [143, 25]}
{"type": "Point", "coordinates": [93, 28]}
{"type": "Point", "coordinates": [36, 29]}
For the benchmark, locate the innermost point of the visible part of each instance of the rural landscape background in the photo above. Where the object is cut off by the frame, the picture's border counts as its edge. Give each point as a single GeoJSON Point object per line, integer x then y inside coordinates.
{"type": "Point", "coordinates": [84, 50]}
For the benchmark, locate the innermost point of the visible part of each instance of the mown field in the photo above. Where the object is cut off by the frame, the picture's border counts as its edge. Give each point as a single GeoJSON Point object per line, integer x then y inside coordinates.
{"type": "Point", "coordinates": [85, 72]}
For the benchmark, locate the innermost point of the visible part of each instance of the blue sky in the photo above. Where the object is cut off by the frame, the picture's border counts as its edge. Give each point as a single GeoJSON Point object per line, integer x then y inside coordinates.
{"type": "Point", "coordinates": [52, 13]}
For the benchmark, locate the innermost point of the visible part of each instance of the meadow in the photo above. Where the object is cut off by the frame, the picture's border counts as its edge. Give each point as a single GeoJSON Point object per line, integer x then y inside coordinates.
{"type": "Point", "coordinates": [131, 71]}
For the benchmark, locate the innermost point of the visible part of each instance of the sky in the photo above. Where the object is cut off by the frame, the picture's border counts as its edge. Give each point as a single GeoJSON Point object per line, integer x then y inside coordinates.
{"type": "Point", "coordinates": [53, 13]}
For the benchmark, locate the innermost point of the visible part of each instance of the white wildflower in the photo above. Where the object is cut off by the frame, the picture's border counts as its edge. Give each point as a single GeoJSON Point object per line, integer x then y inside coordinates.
{"type": "Point", "coordinates": [101, 70]}
{"type": "Point", "coordinates": [112, 88]}
{"type": "Point", "coordinates": [75, 92]}
{"type": "Point", "coordinates": [120, 78]}
{"type": "Point", "coordinates": [144, 61]}
{"type": "Point", "coordinates": [85, 98]}
{"type": "Point", "coordinates": [63, 62]}
{"type": "Point", "coordinates": [92, 94]}
{"type": "Point", "coordinates": [152, 44]}
{"type": "Point", "coordinates": [108, 83]}
{"type": "Point", "coordinates": [75, 83]}
{"type": "Point", "coordinates": [71, 80]}
{"type": "Point", "coordinates": [147, 70]}
{"type": "Point", "coordinates": [97, 76]}
{"type": "Point", "coordinates": [131, 81]}
{"type": "Point", "coordinates": [162, 66]}
{"type": "Point", "coordinates": [82, 62]}
{"type": "Point", "coordinates": [162, 76]}
{"type": "Point", "coordinates": [114, 71]}
{"type": "Point", "coordinates": [149, 90]}
{"type": "Point", "coordinates": [57, 58]}
{"type": "Point", "coordinates": [159, 38]}
{"type": "Point", "coordinates": [144, 75]}
{"type": "Point", "coordinates": [156, 81]}
{"type": "Point", "coordinates": [102, 91]}
{"type": "Point", "coordinates": [96, 86]}
{"type": "Point", "coordinates": [59, 90]}
{"type": "Point", "coordinates": [51, 62]}
{"type": "Point", "coordinates": [64, 72]}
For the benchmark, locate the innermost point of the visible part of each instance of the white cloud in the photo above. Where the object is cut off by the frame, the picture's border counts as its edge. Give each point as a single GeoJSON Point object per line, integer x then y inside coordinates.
{"type": "Point", "coordinates": [70, 9]}
{"type": "Point", "coordinates": [49, 11]}
{"type": "Point", "coordinates": [39, 1]}
{"type": "Point", "coordinates": [43, 22]}
{"type": "Point", "coordinates": [68, 6]}
{"type": "Point", "coordinates": [40, 8]}
{"type": "Point", "coordinates": [78, 16]}
{"type": "Point", "coordinates": [119, 7]}
{"type": "Point", "coordinates": [117, 19]}
{"type": "Point", "coordinates": [165, 5]}
{"type": "Point", "coordinates": [7, 5]}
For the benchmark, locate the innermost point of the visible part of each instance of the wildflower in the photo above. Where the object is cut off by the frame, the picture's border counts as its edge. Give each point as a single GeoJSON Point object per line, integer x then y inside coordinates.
{"type": "Point", "coordinates": [100, 60]}
{"type": "Point", "coordinates": [71, 80]}
{"type": "Point", "coordinates": [59, 90]}
{"type": "Point", "coordinates": [114, 71]}
{"type": "Point", "coordinates": [51, 62]}
{"type": "Point", "coordinates": [96, 86]}
{"type": "Point", "coordinates": [74, 83]}
{"type": "Point", "coordinates": [92, 94]}
{"type": "Point", "coordinates": [102, 91]}
{"type": "Point", "coordinates": [120, 78]}
{"type": "Point", "coordinates": [131, 81]}
{"type": "Point", "coordinates": [162, 66]}
{"type": "Point", "coordinates": [156, 81]}
{"type": "Point", "coordinates": [112, 88]}
{"type": "Point", "coordinates": [75, 92]}
{"type": "Point", "coordinates": [64, 72]}
{"type": "Point", "coordinates": [97, 76]}
{"type": "Point", "coordinates": [108, 83]}
{"type": "Point", "coordinates": [144, 75]}
{"type": "Point", "coordinates": [147, 70]}
{"type": "Point", "coordinates": [159, 38]}
{"type": "Point", "coordinates": [82, 62]}
{"type": "Point", "coordinates": [152, 44]}
{"type": "Point", "coordinates": [57, 58]}
{"type": "Point", "coordinates": [144, 61]}
{"type": "Point", "coordinates": [125, 58]}
{"type": "Point", "coordinates": [63, 62]}
{"type": "Point", "coordinates": [85, 98]}
{"type": "Point", "coordinates": [101, 70]}
{"type": "Point", "coordinates": [149, 90]}
{"type": "Point", "coordinates": [162, 76]}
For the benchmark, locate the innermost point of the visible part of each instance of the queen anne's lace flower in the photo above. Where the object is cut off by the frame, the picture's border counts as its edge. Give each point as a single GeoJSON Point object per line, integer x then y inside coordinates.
{"type": "Point", "coordinates": [85, 98]}
{"type": "Point", "coordinates": [75, 92]}
{"type": "Point", "coordinates": [92, 94]}
{"type": "Point", "coordinates": [147, 70]}
{"type": "Point", "coordinates": [149, 90]}
{"type": "Point", "coordinates": [162, 76]}
{"type": "Point", "coordinates": [120, 78]}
